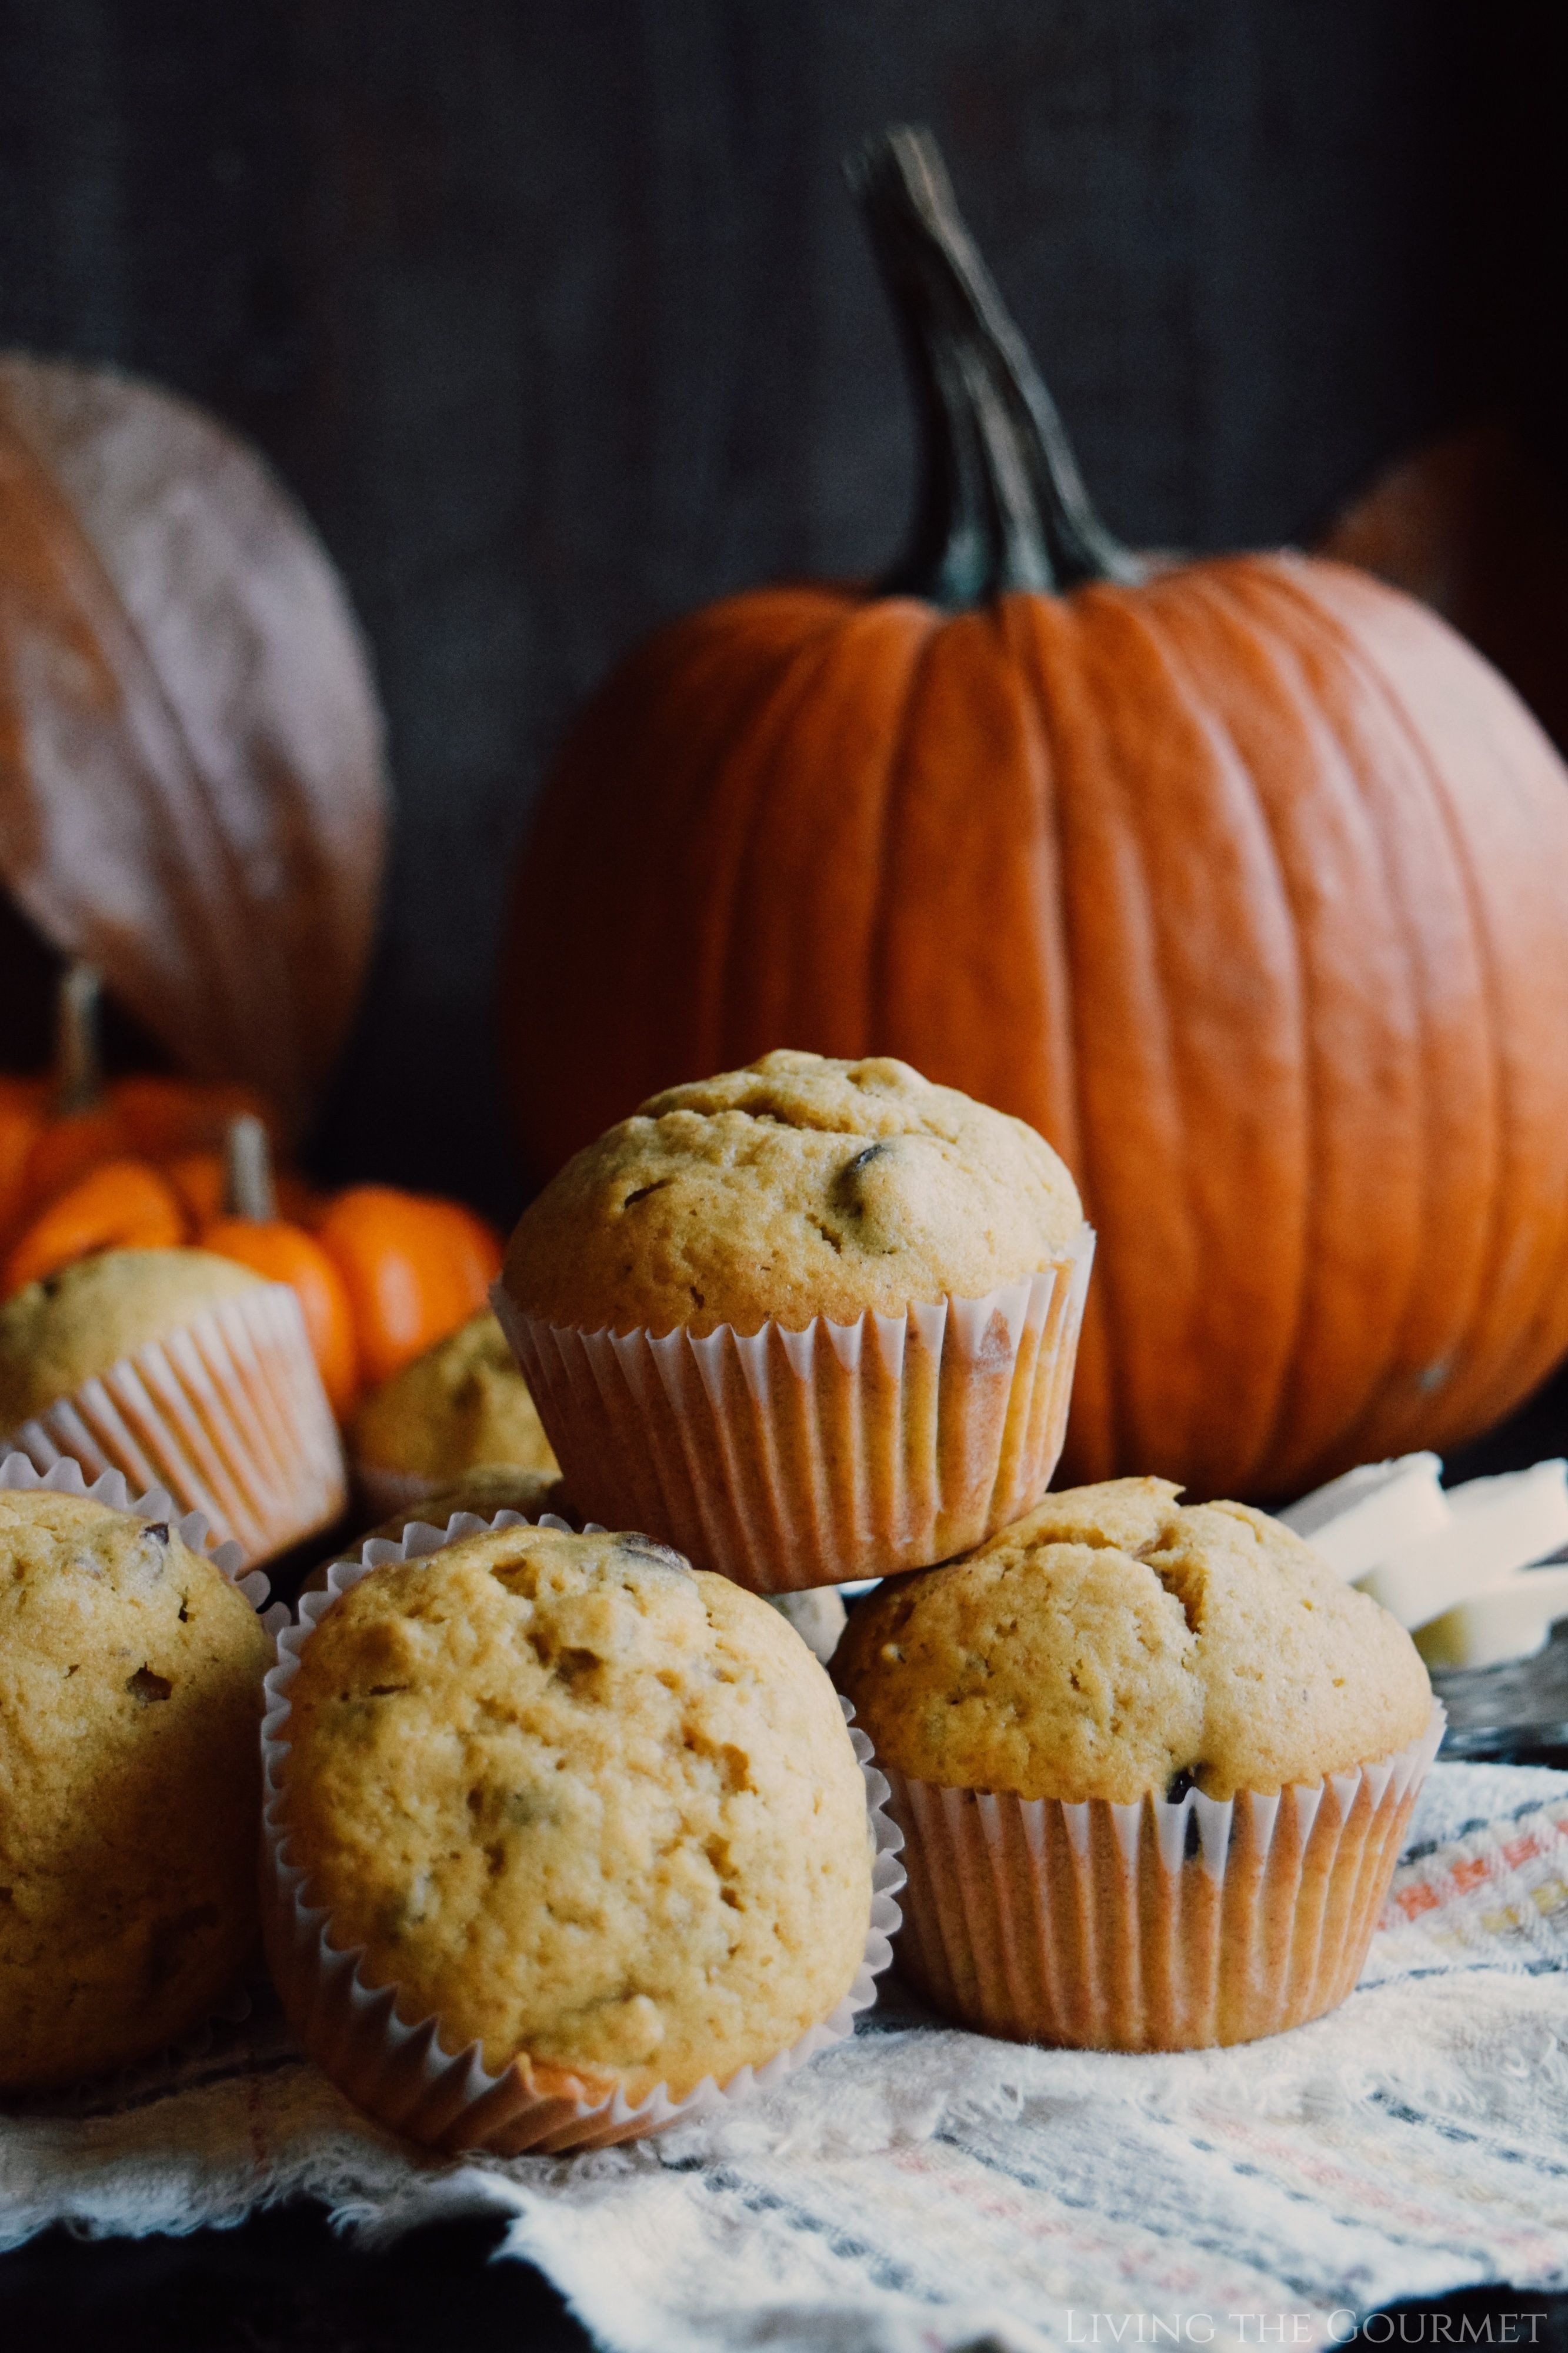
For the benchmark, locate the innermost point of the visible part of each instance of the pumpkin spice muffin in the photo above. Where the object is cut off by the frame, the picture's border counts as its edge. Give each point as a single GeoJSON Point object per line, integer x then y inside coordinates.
{"type": "Point", "coordinates": [59, 1332]}
{"type": "Point", "coordinates": [594, 1811]}
{"type": "Point", "coordinates": [461, 1404]}
{"type": "Point", "coordinates": [1113, 1640]}
{"type": "Point", "coordinates": [1164, 1752]}
{"type": "Point", "coordinates": [868, 1291]}
{"type": "Point", "coordinates": [181, 1369]}
{"type": "Point", "coordinates": [491, 1488]}
{"type": "Point", "coordinates": [798, 1186]}
{"type": "Point", "coordinates": [131, 1675]}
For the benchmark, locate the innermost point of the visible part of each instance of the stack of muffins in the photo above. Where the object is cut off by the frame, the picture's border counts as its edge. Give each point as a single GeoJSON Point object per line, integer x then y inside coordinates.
{"type": "Point", "coordinates": [814, 1322]}
{"type": "Point", "coordinates": [565, 1832]}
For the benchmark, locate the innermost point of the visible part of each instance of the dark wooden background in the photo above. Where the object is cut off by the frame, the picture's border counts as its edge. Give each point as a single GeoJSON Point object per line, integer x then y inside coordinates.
{"type": "Point", "coordinates": [558, 319]}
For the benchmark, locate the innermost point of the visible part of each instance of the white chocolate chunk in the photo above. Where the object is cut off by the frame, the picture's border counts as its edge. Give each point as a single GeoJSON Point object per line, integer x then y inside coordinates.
{"type": "Point", "coordinates": [1509, 1621]}
{"type": "Point", "coordinates": [1496, 1528]}
{"type": "Point", "coordinates": [1360, 1518]}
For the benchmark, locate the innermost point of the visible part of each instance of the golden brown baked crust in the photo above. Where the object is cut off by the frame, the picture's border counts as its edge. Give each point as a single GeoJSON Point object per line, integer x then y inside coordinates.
{"type": "Point", "coordinates": [583, 1804]}
{"type": "Point", "coordinates": [60, 1332]}
{"type": "Point", "coordinates": [463, 1402]}
{"type": "Point", "coordinates": [130, 1784]}
{"type": "Point", "coordinates": [1114, 1638]}
{"type": "Point", "coordinates": [798, 1186]}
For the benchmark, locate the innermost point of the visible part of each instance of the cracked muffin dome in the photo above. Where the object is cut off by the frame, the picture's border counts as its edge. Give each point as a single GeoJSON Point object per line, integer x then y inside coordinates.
{"type": "Point", "coordinates": [130, 1786]}
{"type": "Point", "coordinates": [594, 1809]}
{"type": "Point", "coordinates": [69, 1327]}
{"type": "Point", "coordinates": [1114, 1640]}
{"type": "Point", "coordinates": [795, 1188]}
{"type": "Point", "coordinates": [461, 1404]}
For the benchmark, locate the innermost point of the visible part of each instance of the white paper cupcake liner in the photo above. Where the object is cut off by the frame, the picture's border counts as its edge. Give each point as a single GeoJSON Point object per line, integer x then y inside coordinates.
{"type": "Point", "coordinates": [792, 1459]}
{"type": "Point", "coordinates": [1153, 1927]}
{"type": "Point", "coordinates": [227, 1413]}
{"type": "Point", "coordinates": [402, 2073]}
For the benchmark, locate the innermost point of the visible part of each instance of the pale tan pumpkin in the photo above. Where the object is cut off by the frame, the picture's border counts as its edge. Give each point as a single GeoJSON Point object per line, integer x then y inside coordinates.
{"type": "Point", "coordinates": [192, 794]}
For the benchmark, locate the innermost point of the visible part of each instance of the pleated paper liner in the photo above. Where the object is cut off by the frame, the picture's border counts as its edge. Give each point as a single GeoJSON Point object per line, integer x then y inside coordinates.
{"type": "Point", "coordinates": [402, 2073]}
{"type": "Point", "coordinates": [227, 1413]}
{"type": "Point", "coordinates": [1155, 1926]}
{"type": "Point", "coordinates": [792, 1459]}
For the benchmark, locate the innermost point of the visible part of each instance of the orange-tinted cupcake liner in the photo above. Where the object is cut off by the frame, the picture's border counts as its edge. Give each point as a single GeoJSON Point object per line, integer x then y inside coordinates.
{"type": "Point", "coordinates": [227, 1413]}
{"type": "Point", "coordinates": [401, 2072]}
{"type": "Point", "coordinates": [1154, 1926]}
{"type": "Point", "coordinates": [792, 1459]}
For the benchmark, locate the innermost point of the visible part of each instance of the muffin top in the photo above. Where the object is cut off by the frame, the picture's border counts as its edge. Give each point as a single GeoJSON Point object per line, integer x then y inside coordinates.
{"type": "Point", "coordinates": [586, 1805]}
{"type": "Point", "coordinates": [63, 1330]}
{"type": "Point", "coordinates": [463, 1402]}
{"type": "Point", "coordinates": [130, 1784]}
{"type": "Point", "coordinates": [1114, 1639]}
{"type": "Point", "coordinates": [796, 1187]}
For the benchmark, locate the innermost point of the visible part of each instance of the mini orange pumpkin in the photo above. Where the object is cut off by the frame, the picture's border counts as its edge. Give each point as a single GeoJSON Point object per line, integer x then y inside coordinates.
{"type": "Point", "coordinates": [21, 1124]}
{"type": "Point", "coordinates": [164, 1116]}
{"type": "Point", "coordinates": [201, 1181]}
{"type": "Point", "coordinates": [80, 1119]}
{"type": "Point", "coordinates": [251, 1231]}
{"type": "Point", "coordinates": [416, 1268]}
{"type": "Point", "coordinates": [119, 1205]}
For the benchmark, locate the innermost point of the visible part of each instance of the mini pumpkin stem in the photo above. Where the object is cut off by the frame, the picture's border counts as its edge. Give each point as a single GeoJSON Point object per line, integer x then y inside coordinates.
{"type": "Point", "coordinates": [79, 1071]}
{"type": "Point", "coordinates": [1004, 505]}
{"type": "Point", "coordinates": [248, 1190]}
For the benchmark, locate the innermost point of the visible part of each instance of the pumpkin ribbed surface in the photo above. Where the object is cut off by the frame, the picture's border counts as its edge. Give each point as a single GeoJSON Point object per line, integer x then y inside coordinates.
{"type": "Point", "coordinates": [1248, 885]}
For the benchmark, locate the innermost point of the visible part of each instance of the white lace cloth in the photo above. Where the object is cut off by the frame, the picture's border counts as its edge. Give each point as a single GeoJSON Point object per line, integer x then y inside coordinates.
{"type": "Point", "coordinates": [917, 2189]}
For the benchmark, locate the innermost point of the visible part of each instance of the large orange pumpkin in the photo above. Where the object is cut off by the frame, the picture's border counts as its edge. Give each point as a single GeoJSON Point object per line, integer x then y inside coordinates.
{"type": "Point", "coordinates": [1245, 880]}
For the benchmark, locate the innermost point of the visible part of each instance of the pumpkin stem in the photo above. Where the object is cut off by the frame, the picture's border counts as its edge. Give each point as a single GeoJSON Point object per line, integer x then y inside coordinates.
{"type": "Point", "coordinates": [1004, 505]}
{"type": "Point", "coordinates": [78, 1072]}
{"type": "Point", "coordinates": [249, 1189]}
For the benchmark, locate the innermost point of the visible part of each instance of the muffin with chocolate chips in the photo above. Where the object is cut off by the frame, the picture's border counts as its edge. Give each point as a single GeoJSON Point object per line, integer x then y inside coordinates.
{"type": "Point", "coordinates": [130, 1786]}
{"type": "Point", "coordinates": [799, 1186]}
{"type": "Point", "coordinates": [590, 1811]}
{"type": "Point", "coordinates": [811, 1320]}
{"type": "Point", "coordinates": [460, 1406]}
{"type": "Point", "coordinates": [1153, 1764]}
